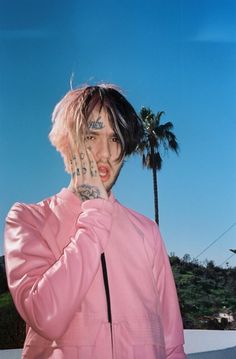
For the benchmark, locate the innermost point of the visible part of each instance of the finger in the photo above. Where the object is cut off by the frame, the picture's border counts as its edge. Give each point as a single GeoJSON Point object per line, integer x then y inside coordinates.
{"type": "Point", "coordinates": [92, 163]}
{"type": "Point", "coordinates": [72, 161]}
{"type": "Point", "coordinates": [95, 177]}
{"type": "Point", "coordinates": [77, 174]}
{"type": "Point", "coordinates": [85, 166]}
{"type": "Point", "coordinates": [75, 162]}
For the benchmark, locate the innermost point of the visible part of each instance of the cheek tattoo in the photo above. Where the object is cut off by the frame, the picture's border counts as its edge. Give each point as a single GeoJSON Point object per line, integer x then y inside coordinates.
{"type": "Point", "coordinates": [96, 125]}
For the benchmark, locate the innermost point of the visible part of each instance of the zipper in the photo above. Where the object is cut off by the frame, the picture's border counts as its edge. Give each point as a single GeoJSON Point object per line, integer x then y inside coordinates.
{"type": "Point", "coordinates": [106, 285]}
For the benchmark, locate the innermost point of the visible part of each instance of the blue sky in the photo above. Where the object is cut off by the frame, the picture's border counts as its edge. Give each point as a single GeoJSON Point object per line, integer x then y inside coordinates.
{"type": "Point", "coordinates": [177, 56]}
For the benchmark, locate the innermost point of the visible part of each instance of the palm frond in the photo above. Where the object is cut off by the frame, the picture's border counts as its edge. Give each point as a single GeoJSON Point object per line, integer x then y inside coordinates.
{"type": "Point", "coordinates": [146, 114]}
{"type": "Point", "coordinates": [156, 136]}
{"type": "Point", "coordinates": [158, 117]}
{"type": "Point", "coordinates": [172, 142]}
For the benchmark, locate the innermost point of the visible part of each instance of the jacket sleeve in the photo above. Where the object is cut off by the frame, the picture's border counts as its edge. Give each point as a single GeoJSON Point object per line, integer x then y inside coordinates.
{"type": "Point", "coordinates": [48, 291]}
{"type": "Point", "coordinates": [168, 301]}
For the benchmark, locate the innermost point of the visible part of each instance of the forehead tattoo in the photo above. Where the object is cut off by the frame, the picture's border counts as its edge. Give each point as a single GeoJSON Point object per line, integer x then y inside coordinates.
{"type": "Point", "coordinates": [96, 124]}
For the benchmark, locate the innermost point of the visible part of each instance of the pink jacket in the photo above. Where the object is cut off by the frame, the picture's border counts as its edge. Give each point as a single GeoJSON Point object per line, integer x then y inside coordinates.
{"type": "Point", "coordinates": [53, 260]}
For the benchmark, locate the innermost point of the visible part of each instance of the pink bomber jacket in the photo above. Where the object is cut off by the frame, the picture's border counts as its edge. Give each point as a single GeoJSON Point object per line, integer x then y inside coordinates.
{"type": "Point", "coordinates": [53, 259]}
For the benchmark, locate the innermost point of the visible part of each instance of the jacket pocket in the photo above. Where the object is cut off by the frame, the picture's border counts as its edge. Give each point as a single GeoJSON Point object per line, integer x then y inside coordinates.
{"type": "Point", "coordinates": [140, 337]}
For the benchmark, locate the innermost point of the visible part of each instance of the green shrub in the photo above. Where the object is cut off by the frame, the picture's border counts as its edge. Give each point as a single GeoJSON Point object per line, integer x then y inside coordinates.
{"type": "Point", "coordinates": [12, 326]}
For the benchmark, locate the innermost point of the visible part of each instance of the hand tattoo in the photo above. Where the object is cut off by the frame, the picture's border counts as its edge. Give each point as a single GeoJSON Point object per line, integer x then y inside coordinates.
{"type": "Point", "coordinates": [77, 173]}
{"type": "Point", "coordinates": [88, 192]}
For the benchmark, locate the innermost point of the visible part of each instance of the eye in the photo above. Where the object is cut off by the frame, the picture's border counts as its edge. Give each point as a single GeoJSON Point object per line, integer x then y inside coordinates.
{"type": "Point", "coordinates": [89, 138]}
{"type": "Point", "coordinates": [115, 139]}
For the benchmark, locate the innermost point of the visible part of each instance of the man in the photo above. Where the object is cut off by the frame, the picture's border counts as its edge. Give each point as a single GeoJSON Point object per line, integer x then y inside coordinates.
{"type": "Point", "coordinates": [90, 277]}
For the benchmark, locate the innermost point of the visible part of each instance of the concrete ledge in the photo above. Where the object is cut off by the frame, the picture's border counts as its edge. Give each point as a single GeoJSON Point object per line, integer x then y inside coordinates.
{"type": "Point", "coordinates": [10, 354]}
{"type": "Point", "coordinates": [229, 353]}
{"type": "Point", "coordinates": [197, 341]}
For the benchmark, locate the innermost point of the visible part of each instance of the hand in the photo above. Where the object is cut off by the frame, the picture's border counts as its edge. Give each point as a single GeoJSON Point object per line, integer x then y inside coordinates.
{"type": "Point", "coordinates": [86, 181]}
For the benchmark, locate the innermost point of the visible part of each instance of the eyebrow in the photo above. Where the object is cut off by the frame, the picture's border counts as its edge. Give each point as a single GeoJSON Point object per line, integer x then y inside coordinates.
{"type": "Point", "coordinates": [91, 132]}
{"type": "Point", "coordinates": [97, 133]}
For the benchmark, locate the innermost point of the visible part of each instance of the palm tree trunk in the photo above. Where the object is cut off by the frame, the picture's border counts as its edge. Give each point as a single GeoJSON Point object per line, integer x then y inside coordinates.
{"type": "Point", "coordinates": [155, 188]}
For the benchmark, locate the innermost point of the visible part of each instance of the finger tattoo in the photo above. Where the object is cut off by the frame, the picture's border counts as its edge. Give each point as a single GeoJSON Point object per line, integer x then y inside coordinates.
{"type": "Point", "coordinates": [93, 173]}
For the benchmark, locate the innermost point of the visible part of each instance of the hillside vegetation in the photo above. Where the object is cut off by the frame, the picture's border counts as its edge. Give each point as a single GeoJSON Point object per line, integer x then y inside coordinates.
{"type": "Point", "coordinates": [204, 291]}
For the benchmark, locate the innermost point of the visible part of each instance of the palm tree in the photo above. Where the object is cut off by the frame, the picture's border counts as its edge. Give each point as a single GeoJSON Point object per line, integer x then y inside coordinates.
{"type": "Point", "coordinates": [156, 137]}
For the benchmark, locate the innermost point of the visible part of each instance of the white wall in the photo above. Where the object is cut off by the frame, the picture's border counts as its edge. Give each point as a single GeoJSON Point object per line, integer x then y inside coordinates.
{"type": "Point", "coordinates": [206, 340]}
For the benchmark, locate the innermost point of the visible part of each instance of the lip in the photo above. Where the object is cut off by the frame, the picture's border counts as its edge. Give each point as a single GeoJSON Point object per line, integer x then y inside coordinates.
{"type": "Point", "coordinates": [104, 173]}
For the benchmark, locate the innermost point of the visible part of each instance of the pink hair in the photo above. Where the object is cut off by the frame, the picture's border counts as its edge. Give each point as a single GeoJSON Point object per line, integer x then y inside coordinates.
{"type": "Point", "coordinates": [67, 122]}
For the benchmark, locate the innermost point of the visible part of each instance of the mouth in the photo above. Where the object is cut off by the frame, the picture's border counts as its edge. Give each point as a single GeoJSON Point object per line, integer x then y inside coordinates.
{"type": "Point", "coordinates": [104, 173]}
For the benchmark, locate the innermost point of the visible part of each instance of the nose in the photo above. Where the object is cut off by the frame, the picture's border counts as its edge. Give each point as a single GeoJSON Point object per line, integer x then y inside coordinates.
{"type": "Point", "coordinates": [103, 150]}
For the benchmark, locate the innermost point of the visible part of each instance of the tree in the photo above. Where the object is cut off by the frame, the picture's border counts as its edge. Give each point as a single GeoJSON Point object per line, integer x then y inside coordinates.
{"type": "Point", "coordinates": [3, 277]}
{"type": "Point", "coordinates": [156, 137]}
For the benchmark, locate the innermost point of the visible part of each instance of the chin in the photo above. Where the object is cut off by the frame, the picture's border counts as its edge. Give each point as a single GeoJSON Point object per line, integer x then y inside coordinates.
{"type": "Point", "coordinates": [110, 184]}
{"type": "Point", "coordinates": [108, 187]}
